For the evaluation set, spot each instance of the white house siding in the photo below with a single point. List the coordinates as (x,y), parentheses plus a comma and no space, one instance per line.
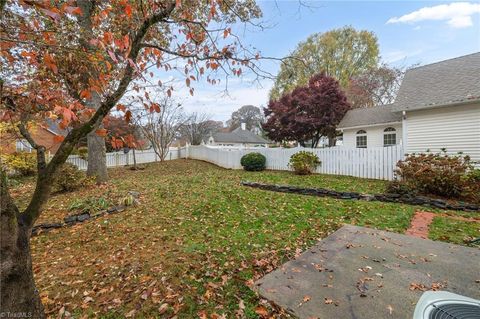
(374,135)
(456,128)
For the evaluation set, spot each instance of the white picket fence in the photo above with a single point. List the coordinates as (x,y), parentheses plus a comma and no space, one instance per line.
(375,163)
(121,159)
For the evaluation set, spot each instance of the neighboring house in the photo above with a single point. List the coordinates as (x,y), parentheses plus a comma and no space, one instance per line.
(43,134)
(240,137)
(437,107)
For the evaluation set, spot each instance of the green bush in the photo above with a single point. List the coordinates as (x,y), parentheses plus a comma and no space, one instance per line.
(253,162)
(81,151)
(397,187)
(21,163)
(472,187)
(69,178)
(434,174)
(90,204)
(304,163)
(474,176)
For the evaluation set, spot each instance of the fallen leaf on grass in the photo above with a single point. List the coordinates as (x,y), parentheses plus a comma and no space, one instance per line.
(87,299)
(163,308)
(261,311)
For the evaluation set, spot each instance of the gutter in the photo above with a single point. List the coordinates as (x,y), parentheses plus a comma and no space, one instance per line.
(432,106)
(367,125)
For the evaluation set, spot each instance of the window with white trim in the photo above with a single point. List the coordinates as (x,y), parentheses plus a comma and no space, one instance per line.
(23,146)
(389,136)
(361,139)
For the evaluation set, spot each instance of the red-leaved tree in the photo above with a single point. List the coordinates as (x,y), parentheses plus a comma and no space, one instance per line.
(72,61)
(308,112)
(123,135)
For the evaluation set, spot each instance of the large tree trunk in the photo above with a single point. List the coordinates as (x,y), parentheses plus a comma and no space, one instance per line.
(97,162)
(134,160)
(97,165)
(332,140)
(19,296)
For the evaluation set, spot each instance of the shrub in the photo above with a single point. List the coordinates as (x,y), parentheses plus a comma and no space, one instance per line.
(304,163)
(69,178)
(434,173)
(90,204)
(21,163)
(474,176)
(398,187)
(81,151)
(253,162)
(472,187)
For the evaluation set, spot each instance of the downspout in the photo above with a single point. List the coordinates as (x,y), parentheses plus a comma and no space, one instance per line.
(404,141)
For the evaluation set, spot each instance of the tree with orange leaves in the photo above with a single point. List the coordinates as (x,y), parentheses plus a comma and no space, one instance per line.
(73,61)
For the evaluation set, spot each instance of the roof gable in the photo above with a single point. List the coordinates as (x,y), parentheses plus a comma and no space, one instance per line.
(446,82)
(382,114)
(239,136)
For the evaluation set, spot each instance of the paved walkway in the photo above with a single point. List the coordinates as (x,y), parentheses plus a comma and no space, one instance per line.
(361,273)
(419,224)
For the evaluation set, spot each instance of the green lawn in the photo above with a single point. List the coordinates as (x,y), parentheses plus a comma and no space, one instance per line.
(455,231)
(335,182)
(196,241)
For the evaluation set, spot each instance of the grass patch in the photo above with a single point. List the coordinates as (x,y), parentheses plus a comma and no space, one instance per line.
(333,182)
(196,241)
(455,231)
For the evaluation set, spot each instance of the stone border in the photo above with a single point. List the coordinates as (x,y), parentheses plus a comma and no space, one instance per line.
(71,220)
(395,198)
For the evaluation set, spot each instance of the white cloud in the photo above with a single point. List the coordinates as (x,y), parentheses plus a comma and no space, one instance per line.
(457,14)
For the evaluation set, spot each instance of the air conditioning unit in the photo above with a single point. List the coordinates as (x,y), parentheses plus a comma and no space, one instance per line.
(446,305)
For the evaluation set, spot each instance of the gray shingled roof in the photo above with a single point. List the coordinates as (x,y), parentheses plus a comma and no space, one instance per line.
(370,116)
(239,136)
(53,127)
(446,82)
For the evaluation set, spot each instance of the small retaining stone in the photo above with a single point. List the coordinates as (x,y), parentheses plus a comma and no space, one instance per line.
(83,217)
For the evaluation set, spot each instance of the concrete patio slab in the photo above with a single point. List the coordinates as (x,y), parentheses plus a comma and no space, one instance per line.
(362,273)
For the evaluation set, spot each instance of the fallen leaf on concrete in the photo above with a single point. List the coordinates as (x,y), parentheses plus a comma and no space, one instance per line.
(417,286)
(390,309)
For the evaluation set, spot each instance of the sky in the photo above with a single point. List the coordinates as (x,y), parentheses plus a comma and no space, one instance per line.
(408,32)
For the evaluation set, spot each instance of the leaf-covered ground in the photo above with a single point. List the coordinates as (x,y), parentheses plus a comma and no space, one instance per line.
(196,241)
